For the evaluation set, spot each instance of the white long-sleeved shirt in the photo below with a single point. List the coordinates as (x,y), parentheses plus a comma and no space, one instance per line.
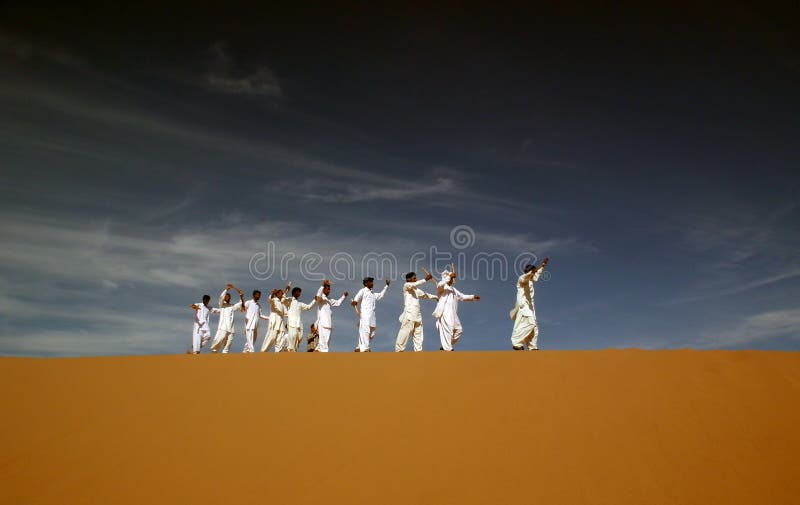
(367,298)
(324,313)
(525,284)
(252,314)
(411,297)
(294,311)
(448,301)
(201,316)
(226,311)
(277,312)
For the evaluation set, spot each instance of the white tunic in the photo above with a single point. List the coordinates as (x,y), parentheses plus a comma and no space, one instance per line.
(411,298)
(368,299)
(252,315)
(226,310)
(201,317)
(447,308)
(324,314)
(525,306)
(277,312)
(295,310)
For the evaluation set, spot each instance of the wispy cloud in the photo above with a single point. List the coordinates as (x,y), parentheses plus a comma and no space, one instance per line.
(226,76)
(755,328)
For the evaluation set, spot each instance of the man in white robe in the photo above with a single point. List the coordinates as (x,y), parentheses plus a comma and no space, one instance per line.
(252,316)
(446,312)
(294,318)
(366,316)
(525,334)
(201,332)
(225,329)
(276,329)
(324,322)
(411,318)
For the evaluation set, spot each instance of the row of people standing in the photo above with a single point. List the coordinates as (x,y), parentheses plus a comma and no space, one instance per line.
(284,328)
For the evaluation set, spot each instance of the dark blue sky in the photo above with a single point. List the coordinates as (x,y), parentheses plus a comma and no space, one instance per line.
(148,153)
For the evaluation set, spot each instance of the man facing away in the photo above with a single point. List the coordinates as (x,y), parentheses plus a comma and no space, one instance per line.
(366,319)
(294,318)
(252,316)
(411,318)
(324,321)
(446,312)
(225,329)
(526,332)
(276,329)
(201,333)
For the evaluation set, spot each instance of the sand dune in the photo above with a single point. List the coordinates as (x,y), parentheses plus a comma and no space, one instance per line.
(549,427)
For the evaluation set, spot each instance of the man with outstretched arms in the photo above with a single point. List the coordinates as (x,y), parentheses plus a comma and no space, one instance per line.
(446,312)
(366,316)
(225,330)
(294,318)
(324,321)
(411,318)
(526,332)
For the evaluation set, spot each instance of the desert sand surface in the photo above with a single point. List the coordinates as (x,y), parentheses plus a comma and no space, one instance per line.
(611,427)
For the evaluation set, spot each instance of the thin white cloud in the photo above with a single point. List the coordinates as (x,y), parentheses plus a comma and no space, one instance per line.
(222,76)
(755,328)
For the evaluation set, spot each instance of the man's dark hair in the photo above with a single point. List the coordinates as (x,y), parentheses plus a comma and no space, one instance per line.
(256,291)
(529,267)
(409,275)
(206,298)
(295,291)
(367,279)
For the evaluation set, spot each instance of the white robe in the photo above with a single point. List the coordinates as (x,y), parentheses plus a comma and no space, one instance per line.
(446,314)
(411,317)
(251,318)
(294,320)
(526,331)
(225,327)
(276,329)
(366,318)
(324,322)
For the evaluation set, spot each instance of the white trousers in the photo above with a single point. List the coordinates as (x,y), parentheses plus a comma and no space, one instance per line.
(407,329)
(275,336)
(222,339)
(324,338)
(525,333)
(250,337)
(294,338)
(366,332)
(449,332)
(200,338)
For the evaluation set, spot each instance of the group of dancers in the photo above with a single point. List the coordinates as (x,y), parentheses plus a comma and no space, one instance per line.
(284,327)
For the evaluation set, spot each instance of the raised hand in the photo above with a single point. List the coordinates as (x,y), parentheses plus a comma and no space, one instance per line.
(228,286)
(388,281)
(345,294)
(477,297)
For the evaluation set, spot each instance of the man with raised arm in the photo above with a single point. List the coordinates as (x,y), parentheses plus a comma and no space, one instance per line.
(324,321)
(252,316)
(276,329)
(526,332)
(294,318)
(446,312)
(225,330)
(366,318)
(201,332)
(411,318)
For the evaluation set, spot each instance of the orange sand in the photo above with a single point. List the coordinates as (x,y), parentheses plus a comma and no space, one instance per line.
(615,427)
